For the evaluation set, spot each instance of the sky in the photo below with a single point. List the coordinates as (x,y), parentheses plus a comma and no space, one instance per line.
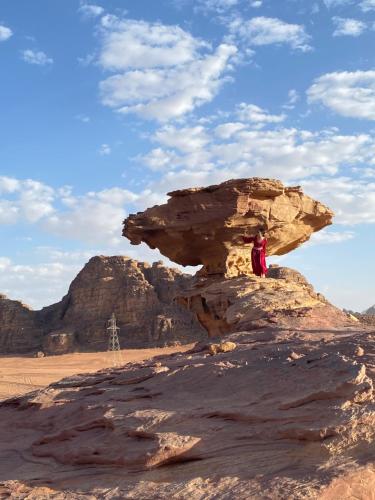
(105,107)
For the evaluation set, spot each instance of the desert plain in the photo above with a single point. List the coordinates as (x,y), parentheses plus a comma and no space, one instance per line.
(22,374)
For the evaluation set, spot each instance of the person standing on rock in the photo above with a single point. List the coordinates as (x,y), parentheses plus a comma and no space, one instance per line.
(258,253)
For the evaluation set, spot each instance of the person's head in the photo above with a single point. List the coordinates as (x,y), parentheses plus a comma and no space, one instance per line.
(259,235)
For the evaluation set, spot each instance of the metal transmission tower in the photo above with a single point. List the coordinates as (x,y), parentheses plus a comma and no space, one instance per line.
(113,342)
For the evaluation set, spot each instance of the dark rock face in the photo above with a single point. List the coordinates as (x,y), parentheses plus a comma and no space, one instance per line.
(19,327)
(140,295)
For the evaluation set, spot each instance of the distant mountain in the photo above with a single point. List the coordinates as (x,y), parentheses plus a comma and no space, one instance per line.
(370,310)
(141,296)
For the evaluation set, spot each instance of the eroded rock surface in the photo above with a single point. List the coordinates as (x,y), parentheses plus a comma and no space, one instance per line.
(284,298)
(205,225)
(141,296)
(20,329)
(287,414)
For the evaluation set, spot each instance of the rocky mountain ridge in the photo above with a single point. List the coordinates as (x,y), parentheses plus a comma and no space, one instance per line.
(140,295)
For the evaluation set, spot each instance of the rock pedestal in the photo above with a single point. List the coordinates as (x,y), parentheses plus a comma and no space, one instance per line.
(204,226)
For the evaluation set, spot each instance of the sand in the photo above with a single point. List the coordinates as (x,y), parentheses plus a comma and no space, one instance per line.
(19,375)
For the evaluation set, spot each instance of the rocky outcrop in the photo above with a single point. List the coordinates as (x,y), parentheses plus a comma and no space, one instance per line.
(286,414)
(60,342)
(140,295)
(20,329)
(284,298)
(205,225)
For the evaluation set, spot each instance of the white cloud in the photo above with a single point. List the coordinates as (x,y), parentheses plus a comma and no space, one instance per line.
(252,113)
(36,57)
(350,94)
(9,212)
(5,33)
(158,159)
(186,139)
(28,200)
(235,149)
(268,30)
(353,201)
(336,3)
(348,27)
(37,285)
(105,150)
(293,98)
(131,44)
(95,217)
(83,118)
(218,6)
(91,10)
(367,5)
(8,184)
(327,237)
(227,130)
(256,3)
(163,93)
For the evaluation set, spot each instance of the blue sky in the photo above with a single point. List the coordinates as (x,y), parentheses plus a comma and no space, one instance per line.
(105,107)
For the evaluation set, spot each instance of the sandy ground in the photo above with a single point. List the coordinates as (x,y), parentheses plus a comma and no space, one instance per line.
(19,375)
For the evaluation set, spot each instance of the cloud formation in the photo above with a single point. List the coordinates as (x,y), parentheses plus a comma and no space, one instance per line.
(348,27)
(262,30)
(5,33)
(161,72)
(350,94)
(90,10)
(37,57)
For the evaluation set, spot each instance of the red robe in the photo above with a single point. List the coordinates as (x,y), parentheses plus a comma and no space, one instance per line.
(258,254)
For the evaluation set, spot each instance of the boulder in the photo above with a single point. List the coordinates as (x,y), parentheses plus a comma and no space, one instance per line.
(204,226)
(60,342)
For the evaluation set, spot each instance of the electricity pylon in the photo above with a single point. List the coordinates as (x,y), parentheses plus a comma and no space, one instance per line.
(113,342)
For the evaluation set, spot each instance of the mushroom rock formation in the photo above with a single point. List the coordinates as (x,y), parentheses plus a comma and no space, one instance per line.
(205,225)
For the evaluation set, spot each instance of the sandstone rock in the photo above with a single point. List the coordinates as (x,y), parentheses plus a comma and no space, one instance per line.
(20,328)
(293,356)
(40,354)
(353,318)
(141,296)
(222,347)
(59,342)
(205,225)
(247,424)
(234,304)
(359,351)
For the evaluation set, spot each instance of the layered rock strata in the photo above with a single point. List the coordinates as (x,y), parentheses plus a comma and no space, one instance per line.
(286,414)
(204,226)
(285,297)
(140,295)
